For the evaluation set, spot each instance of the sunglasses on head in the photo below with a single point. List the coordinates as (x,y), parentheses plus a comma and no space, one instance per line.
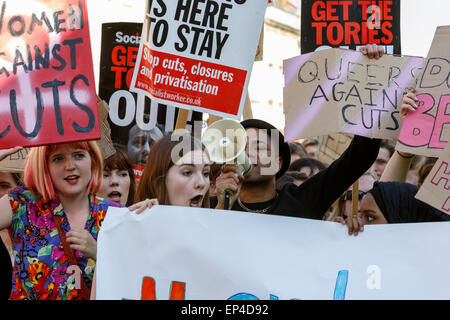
(348,195)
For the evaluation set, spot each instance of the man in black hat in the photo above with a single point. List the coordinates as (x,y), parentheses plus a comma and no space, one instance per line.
(270,156)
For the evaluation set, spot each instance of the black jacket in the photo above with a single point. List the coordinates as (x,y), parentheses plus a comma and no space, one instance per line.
(314,196)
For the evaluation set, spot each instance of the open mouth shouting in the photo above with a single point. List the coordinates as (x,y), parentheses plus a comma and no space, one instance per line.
(196,201)
(115,196)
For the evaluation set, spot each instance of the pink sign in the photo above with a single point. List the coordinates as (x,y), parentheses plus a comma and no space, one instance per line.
(427,130)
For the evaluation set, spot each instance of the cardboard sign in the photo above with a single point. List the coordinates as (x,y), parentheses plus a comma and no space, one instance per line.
(15,162)
(198,56)
(190,253)
(333,146)
(135,120)
(436,188)
(105,144)
(337,90)
(350,24)
(46,76)
(424,131)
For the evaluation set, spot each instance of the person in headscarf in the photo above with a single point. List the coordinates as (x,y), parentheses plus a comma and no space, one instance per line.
(394,202)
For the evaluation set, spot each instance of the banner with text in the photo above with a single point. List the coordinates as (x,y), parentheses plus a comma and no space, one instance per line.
(436,188)
(190,253)
(427,130)
(337,90)
(349,24)
(46,74)
(135,120)
(198,55)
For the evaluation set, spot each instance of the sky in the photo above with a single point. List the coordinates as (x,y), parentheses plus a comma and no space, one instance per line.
(419,19)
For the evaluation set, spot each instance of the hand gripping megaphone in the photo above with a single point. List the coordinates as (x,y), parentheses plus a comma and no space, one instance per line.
(225,141)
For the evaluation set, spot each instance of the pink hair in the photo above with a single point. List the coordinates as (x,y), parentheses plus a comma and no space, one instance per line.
(37,176)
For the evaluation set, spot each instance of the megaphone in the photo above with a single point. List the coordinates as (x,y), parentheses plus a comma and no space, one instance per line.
(225,141)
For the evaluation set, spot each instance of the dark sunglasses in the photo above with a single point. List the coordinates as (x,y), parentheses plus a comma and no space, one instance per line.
(348,195)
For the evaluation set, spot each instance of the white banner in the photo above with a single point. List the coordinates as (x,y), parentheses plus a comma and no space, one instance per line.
(189,253)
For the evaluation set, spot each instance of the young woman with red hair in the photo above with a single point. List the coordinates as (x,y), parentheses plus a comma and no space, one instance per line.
(54,221)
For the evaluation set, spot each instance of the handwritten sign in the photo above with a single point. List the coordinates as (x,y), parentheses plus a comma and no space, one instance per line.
(424,130)
(46,74)
(198,56)
(333,146)
(350,24)
(337,90)
(15,162)
(436,188)
(190,253)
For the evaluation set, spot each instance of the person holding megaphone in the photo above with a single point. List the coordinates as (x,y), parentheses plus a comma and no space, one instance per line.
(270,157)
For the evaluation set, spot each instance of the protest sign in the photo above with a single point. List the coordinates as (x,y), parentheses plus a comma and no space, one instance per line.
(15,162)
(198,56)
(134,119)
(337,90)
(333,146)
(46,75)
(436,188)
(105,144)
(192,253)
(260,49)
(349,24)
(426,131)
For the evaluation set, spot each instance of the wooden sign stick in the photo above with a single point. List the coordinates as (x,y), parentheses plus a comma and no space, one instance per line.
(355,198)
(182,119)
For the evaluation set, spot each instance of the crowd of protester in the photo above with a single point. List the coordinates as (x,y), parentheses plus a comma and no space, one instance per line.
(51,215)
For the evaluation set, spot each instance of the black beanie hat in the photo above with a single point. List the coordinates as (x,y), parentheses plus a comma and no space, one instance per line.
(284,151)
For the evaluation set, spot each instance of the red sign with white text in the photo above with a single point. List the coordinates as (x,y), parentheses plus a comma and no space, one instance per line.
(188,81)
(46,74)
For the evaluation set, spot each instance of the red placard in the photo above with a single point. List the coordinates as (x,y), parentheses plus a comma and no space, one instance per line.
(47,81)
(192,82)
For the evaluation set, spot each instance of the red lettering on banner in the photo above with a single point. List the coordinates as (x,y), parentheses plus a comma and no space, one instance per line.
(117,57)
(388,35)
(331,22)
(123,60)
(383,5)
(148,290)
(331,10)
(352,30)
(335,28)
(319,33)
(317,11)
(118,76)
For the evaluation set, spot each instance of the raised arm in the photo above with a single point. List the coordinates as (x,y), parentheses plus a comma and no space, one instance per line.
(398,165)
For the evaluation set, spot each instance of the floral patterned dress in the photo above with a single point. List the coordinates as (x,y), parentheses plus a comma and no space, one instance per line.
(40,263)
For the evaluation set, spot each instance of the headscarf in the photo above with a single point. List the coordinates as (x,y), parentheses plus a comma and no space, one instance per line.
(398,205)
